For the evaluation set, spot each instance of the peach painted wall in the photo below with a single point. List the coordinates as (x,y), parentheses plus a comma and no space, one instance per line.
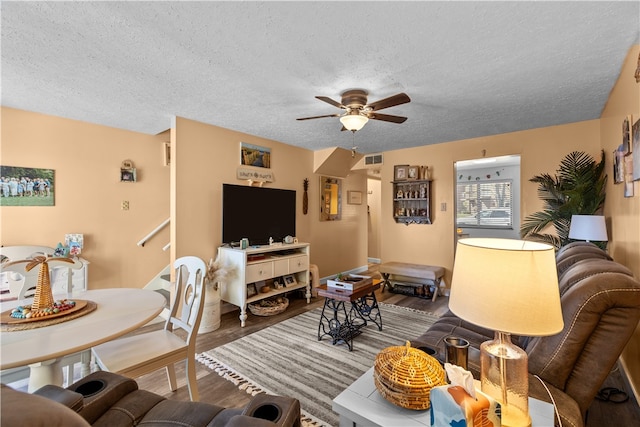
(624,213)
(541,150)
(88,194)
(207,156)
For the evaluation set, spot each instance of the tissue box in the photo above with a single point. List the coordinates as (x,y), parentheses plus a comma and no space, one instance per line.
(453,406)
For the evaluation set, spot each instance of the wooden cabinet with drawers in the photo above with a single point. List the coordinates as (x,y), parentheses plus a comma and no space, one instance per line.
(263,263)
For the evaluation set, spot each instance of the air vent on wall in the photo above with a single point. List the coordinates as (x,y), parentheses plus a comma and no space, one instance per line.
(374,159)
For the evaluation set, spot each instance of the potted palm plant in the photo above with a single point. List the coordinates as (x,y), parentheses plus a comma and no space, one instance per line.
(577,188)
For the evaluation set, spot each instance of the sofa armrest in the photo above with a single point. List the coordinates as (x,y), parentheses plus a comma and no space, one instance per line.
(247,421)
(101,390)
(279,410)
(68,398)
(564,405)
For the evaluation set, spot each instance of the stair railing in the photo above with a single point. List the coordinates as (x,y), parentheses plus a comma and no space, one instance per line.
(153,233)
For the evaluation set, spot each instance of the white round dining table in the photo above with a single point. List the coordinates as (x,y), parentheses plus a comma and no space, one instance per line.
(119,311)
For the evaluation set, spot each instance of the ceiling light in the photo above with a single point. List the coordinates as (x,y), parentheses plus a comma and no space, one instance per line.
(354,121)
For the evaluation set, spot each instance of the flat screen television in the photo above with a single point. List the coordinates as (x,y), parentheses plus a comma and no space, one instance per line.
(257,213)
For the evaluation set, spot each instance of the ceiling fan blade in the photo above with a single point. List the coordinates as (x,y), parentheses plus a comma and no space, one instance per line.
(330,101)
(392,101)
(319,117)
(387,118)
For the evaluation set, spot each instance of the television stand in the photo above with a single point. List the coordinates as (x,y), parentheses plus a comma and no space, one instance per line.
(261,263)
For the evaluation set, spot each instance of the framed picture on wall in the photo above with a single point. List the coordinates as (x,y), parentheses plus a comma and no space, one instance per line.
(413,172)
(21,186)
(635,150)
(618,165)
(400,172)
(626,135)
(254,155)
(354,197)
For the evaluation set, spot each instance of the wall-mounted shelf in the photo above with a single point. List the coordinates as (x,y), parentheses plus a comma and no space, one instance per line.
(412,201)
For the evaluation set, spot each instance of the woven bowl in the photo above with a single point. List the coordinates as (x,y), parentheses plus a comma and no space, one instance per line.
(405,376)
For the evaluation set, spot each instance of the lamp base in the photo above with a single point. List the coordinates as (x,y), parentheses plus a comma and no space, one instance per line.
(504,376)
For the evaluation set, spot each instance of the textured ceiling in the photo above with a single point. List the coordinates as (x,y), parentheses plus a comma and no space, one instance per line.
(471,68)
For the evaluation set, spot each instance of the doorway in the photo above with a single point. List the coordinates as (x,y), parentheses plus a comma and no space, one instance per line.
(487,197)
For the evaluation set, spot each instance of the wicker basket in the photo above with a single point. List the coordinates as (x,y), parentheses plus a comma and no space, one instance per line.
(405,376)
(268,307)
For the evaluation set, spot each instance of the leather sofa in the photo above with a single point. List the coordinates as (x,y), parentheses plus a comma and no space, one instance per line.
(601,307)
(111,400)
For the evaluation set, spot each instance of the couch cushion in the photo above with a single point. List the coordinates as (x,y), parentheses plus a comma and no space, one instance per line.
(129,410)
(172,412)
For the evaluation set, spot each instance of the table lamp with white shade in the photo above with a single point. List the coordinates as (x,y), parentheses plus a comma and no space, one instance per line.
(588,227)
(510,286)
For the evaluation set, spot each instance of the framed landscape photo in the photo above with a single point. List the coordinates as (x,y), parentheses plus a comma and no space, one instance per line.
(254,155)
(22,186)
(400,172)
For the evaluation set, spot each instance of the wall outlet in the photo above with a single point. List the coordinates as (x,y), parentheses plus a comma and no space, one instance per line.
(443,206)
(125,205)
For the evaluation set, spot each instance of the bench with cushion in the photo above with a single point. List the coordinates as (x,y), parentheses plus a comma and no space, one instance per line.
(415,274)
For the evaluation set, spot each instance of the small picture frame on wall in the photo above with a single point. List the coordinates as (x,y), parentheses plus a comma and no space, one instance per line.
(289,280)
(635,150)
(400,172)
(354,197)
(251,290)
(413,173)
(626,135)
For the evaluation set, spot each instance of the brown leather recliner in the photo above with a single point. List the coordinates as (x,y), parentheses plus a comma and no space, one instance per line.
(111,400)
(601,308)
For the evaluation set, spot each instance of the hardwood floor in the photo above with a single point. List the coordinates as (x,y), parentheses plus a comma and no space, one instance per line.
(217,390)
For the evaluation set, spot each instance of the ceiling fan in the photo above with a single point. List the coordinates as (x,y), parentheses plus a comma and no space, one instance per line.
(357,112)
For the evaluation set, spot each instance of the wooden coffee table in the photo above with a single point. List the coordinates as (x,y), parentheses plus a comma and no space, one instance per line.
(341,325)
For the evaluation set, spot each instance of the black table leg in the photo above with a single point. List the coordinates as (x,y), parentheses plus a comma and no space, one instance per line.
(339,331)
(367,307)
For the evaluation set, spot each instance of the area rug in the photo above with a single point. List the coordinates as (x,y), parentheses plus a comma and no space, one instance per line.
(287,358)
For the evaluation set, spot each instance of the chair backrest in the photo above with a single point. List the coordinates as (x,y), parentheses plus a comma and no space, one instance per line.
(24,286)
(15,253)
(188,304)
(601,309)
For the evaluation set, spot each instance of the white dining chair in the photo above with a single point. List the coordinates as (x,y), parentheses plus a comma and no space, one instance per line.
(22,285)
(147,352)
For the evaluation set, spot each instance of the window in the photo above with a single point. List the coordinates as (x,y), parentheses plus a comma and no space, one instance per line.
(484,204)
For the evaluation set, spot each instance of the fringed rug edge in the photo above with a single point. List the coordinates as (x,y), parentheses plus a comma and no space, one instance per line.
(250,386)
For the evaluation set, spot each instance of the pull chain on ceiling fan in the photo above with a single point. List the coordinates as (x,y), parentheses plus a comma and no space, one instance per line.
(357,112)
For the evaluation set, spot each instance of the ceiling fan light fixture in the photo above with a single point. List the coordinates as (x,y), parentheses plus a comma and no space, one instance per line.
(354,121)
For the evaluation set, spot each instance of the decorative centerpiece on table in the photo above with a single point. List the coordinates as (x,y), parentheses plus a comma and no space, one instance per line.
(43,306)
